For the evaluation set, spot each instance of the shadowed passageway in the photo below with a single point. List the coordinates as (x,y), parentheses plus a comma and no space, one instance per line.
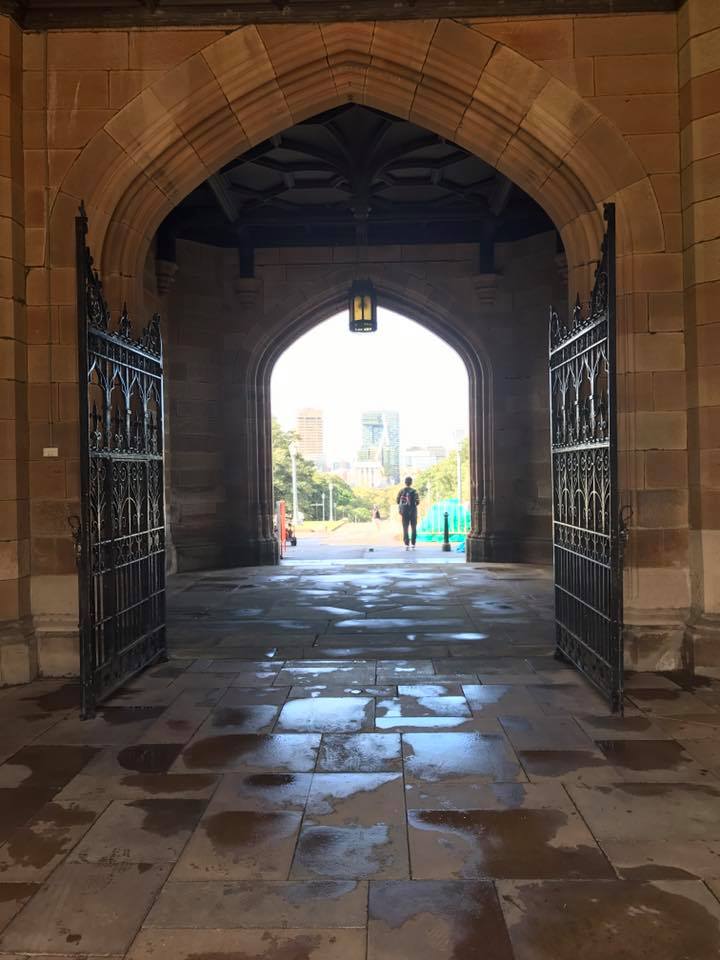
(373,760)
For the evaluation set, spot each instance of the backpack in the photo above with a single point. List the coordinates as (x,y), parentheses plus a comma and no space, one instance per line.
(408,500)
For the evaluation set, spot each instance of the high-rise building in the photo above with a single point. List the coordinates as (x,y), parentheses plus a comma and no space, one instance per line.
(420,458)
(311,435)
(381,441)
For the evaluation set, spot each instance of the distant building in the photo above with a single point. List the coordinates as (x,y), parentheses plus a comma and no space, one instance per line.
(342,469)
(381,441)
(368,473)
(420,458)
(311,434)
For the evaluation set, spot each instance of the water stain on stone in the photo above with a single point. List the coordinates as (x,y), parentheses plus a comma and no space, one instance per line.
(167,818)
(169,783)
(663,789)
(149,757)
(645,754)
(227,716)
(354,851)
(229,829)
(270,780)
(650,693)
(66,697)
(513,844)
(18,805)
(15,892)
(654,871)
(52,765)
(218,751)
(555,763)
(119,716)
(301,947)
(47,837)
(687,680)
(560,921)
(468,913)
(631,724)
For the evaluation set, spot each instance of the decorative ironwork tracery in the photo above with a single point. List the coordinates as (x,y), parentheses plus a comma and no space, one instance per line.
(588,533)
(121,535)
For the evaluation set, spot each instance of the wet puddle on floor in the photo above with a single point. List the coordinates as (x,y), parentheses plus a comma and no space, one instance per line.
(520,843)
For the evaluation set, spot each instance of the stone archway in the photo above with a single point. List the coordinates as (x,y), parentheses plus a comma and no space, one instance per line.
(254,463)
(445,76)
(448,77)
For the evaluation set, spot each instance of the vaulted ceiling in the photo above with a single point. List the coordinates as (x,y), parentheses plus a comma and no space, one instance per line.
(355,175)
(41,14)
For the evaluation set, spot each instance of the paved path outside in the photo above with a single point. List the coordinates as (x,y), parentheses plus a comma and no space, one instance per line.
(362,762)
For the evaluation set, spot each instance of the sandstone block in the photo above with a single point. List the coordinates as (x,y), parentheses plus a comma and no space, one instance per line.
(162,49)
(642,113)
(577,73)
(536,39)
(666,311)
(661,430)
(658,152)
(608,36)
(696,17)
(700,139)
(708,344)
(666,469)
(670,390)
(47,479)
(708,386)
(658,272)
(87,50)
(700,97)
(649,73)
(700,55)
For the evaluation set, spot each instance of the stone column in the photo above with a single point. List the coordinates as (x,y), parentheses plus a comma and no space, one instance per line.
(247,435)
(18,655)
(698,42)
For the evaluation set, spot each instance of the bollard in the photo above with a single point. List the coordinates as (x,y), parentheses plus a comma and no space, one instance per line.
(446,534)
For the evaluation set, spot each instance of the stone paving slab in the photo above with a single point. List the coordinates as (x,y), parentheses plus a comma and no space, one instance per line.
(86,908)
(270,944)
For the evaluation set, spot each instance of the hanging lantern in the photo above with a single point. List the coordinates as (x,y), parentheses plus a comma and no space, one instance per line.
(362,307)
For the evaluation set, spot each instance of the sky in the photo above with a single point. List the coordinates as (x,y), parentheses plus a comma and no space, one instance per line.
(401,367)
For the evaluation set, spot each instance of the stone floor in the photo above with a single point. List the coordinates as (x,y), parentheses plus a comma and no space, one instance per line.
(362,762)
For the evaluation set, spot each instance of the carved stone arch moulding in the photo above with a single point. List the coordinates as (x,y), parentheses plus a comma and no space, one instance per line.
(445,76)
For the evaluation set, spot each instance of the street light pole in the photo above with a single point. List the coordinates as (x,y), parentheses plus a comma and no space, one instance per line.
(330,487)
(323,505)
(293,466)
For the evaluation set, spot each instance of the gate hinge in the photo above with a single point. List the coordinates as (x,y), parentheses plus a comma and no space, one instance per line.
(75,525)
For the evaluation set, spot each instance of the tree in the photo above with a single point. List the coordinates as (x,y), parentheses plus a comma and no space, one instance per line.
(309,485)
(441,478)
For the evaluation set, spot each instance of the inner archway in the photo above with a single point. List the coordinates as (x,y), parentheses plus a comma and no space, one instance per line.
(445,238)
(353,415)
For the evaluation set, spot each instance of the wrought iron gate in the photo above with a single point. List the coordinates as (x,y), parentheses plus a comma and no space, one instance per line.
(588,529)
(120,536)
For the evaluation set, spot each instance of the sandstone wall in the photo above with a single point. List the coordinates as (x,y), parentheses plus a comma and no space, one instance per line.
(504,314)
(699,42)
(17,655)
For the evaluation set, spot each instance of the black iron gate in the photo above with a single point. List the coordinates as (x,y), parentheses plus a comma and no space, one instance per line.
(588,530)
(120,535)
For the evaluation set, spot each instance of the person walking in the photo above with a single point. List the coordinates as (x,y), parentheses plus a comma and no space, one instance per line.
(408,500)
